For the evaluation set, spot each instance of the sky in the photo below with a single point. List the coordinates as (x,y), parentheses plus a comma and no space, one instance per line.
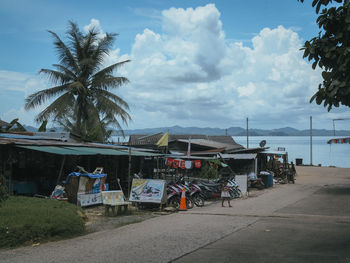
(193,63)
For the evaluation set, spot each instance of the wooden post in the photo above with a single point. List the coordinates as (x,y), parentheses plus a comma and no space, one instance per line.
(61,169)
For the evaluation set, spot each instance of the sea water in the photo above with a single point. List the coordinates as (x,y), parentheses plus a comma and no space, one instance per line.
(299,147)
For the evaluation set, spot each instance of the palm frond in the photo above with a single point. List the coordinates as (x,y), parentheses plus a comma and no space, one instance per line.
(58,108)
(56,77)
(65,70)
(64,54)
(107,82)
(116,99)
(109,70)
(108,107)
(41,96)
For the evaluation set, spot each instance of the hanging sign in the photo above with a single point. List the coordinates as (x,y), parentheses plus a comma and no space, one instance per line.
(176,163)
(188,164)
(197,163)
(169,162)
(182,165)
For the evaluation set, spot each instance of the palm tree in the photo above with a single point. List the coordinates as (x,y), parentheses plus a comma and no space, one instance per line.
(84,103)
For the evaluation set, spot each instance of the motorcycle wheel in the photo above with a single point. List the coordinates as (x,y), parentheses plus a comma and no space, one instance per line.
(189,203)
(173,202)
(238,193)
(198,201)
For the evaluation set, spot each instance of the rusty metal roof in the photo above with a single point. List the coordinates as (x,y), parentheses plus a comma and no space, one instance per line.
(4,124)
(140,139)
(68,148)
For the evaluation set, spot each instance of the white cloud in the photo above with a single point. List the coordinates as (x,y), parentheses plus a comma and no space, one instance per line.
(191,74)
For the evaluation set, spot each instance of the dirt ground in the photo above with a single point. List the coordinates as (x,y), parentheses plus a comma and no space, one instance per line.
(96,220)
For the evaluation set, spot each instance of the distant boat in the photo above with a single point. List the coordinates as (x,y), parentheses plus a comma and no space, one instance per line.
(340,141)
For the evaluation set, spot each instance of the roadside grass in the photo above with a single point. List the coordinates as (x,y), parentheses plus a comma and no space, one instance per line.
(28,220)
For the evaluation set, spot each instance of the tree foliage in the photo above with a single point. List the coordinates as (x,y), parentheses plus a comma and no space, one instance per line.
(83,102)
(3,189)
(330,51)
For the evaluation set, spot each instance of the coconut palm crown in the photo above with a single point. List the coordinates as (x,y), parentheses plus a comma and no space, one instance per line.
(83,102)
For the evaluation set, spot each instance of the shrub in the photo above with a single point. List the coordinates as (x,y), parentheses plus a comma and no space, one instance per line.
(31,220)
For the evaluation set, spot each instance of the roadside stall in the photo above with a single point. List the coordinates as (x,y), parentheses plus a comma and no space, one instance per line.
(84,189)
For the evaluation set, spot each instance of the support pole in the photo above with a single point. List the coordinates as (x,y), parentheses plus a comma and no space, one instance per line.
(129,172)
(61,170)
(310,140)
(247,135)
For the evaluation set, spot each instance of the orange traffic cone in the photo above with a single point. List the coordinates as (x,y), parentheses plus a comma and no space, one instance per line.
(183,200)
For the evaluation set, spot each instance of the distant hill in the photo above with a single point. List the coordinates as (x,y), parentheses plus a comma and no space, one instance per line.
(236,131)
(232,131)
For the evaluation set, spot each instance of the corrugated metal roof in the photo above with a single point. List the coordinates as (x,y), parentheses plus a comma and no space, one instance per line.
(54,150)
(69,148)
(4,124)
(142,139)
(241,156)
(95,151)
(275,152)
(212,144)
(78,150)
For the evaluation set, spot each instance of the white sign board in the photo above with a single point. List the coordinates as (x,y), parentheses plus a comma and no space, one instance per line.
(89,199)
(148,191)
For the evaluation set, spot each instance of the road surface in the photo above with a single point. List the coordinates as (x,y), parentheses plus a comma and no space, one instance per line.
(308,221)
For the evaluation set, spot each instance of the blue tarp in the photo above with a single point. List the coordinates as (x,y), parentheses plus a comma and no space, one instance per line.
(94,176)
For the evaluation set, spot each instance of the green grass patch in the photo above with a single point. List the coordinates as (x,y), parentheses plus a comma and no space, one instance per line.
(27,220)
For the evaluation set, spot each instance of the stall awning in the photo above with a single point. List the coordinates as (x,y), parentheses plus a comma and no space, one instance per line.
(78,150)
(54,150)
(339,140)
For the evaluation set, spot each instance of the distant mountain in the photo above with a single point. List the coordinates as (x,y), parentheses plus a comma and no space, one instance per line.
(236,131)
(30,128)
(232,131)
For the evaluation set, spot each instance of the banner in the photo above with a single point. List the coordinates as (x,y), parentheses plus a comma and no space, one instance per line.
(113,197)
(148,191)
(89,199)
(183,164)
(197,164)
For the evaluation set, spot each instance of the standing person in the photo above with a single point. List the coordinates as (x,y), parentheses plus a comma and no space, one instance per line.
(225,195)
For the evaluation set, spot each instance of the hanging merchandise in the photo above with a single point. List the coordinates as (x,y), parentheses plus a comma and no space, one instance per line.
(182,165)
(197,163)
(188,164)
(169,162)
(176,163)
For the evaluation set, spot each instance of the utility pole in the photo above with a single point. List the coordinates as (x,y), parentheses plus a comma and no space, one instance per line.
(341,119)
(310,140)
(129,172)
(247,135)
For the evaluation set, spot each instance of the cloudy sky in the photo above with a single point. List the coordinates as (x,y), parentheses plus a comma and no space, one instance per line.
(193,63)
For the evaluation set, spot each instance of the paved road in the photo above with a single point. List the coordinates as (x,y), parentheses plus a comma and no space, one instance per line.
(305,222)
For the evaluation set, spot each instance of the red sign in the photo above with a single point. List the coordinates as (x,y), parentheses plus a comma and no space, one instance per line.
(176,163)
(169,162)
(182,165)
(197,163)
